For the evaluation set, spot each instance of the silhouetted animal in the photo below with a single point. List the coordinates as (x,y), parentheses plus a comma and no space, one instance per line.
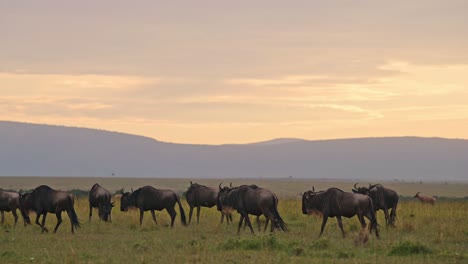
(199,196)
(382,198)
(148,198)
(250,199)
(425,199)
(336,203)
(9,202)
(100,198)
(43,200)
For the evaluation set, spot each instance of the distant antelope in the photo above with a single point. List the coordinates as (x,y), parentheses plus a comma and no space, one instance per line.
(425,199)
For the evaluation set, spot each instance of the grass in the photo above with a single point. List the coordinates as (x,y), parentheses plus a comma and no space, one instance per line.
(424,234)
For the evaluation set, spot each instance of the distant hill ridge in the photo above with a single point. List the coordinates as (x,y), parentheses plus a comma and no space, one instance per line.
(44,150)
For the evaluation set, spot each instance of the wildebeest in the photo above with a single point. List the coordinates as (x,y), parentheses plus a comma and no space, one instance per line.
(148,198)
(9,202)
(382,198)
(199,196)
(336,203)
(101,198)
(425,199)
(43,200)
(250,199)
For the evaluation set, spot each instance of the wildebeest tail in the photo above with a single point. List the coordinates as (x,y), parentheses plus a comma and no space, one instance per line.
(181,209)
(278,220)
(72,214)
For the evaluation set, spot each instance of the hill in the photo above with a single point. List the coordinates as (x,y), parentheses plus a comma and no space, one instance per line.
(43,150)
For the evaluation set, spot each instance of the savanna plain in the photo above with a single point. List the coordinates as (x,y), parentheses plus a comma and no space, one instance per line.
(423,233)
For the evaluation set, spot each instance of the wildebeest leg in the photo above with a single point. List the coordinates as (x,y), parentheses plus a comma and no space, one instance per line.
(258,223)
(222,218)
(172,213)
(373,222)
(100,212)
(191,212)
(198,213)
(340,224)
(266,224)
(37,219)
(247,220)
(90,212)
(59,220)
(154,217)
(387,218)
(393,215)
(44,229)
(324,222)
(362,221)
(141,216)
(229,217)
(3,216)
(15,215)
(240,223)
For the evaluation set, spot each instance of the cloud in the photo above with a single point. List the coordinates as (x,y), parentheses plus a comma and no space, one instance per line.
(70,84)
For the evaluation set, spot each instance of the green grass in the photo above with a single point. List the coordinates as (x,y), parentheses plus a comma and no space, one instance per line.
(424,234)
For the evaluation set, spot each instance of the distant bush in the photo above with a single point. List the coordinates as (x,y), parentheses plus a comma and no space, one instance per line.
(79,193)
(407,248)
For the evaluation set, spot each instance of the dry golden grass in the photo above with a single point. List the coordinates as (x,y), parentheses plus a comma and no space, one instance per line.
(424,234)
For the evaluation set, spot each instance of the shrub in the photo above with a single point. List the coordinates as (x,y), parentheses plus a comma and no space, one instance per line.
(407,248)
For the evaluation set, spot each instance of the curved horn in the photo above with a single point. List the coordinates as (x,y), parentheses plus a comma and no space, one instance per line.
(372,186)
(355,185)
(131,189)
(122,191)
(220,185)
(191,183)
(230,185)
(313,189)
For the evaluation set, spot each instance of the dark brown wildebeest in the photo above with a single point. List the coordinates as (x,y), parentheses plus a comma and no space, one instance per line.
(199,196)
(250,199)
(101,198)
(148,198)
(425,199)
(336,203)
(382,198)
(9,202)
(43,200)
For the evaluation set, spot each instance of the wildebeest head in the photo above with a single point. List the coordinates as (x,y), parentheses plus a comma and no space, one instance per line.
(127,200)
(106,211)
(25,205)
(221,200)
(363,190)
(309,205)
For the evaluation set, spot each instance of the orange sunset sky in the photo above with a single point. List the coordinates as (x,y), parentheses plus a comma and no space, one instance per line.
(217,72)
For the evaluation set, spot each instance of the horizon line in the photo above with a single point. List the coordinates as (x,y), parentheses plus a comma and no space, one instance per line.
(264,142)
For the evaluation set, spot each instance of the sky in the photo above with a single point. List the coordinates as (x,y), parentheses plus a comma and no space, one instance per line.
(215,72)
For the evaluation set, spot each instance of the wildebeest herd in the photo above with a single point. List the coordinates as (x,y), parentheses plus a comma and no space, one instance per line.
(362,202)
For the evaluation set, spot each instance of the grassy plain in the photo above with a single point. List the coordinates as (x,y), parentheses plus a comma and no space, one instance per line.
(424,233)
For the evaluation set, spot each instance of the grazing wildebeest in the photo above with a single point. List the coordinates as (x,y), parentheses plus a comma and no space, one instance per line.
(250,199)
(202,196)
(148,198)
(101,198)
(9,202)
(425,199)
(43,200)
(337,203)
(382,198)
